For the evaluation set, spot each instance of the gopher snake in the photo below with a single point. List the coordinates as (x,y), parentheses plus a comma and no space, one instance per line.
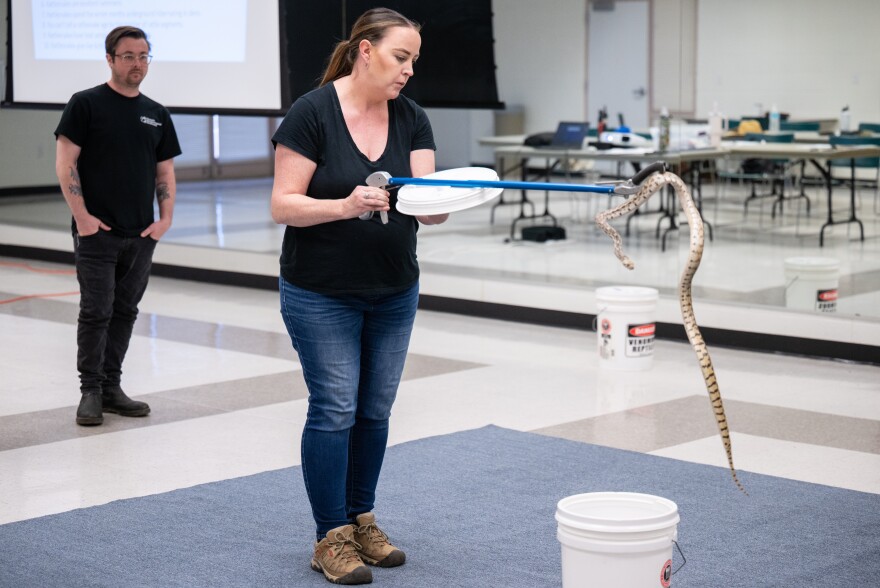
(653,184)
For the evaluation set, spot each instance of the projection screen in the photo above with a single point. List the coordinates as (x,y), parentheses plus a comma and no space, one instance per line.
(208,56)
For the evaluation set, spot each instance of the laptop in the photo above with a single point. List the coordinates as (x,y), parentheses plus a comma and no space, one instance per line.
(569,135)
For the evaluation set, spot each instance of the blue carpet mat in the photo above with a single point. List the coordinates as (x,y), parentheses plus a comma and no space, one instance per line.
(471,509)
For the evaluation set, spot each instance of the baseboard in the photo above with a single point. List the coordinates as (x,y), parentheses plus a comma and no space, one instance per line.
(30,190)
(782,344)
(224,278)
(36,253)
(209,276)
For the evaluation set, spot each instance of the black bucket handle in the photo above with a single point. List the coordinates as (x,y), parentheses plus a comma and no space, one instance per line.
(683,559)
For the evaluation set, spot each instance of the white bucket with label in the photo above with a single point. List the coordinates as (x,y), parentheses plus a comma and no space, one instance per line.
(811,283)
(616,539)
(625,327)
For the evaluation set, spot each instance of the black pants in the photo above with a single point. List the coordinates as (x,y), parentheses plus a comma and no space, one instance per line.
(112,273)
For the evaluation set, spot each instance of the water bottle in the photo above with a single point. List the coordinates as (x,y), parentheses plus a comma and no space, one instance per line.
(844,120)
(716,129)
(664,129)
(774,120)
(600,127)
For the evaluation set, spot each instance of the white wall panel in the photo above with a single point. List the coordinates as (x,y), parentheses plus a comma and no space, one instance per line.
(809,57)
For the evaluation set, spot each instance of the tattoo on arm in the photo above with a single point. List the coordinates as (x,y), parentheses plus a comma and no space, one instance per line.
(75,186)
(162,192)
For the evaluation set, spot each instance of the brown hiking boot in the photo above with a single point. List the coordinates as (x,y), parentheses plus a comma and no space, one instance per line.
(373,545)
(337,557)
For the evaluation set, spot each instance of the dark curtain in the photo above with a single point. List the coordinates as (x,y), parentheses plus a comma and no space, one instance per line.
(456,67)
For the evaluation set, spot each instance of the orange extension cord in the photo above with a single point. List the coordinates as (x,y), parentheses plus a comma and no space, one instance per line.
(30,268)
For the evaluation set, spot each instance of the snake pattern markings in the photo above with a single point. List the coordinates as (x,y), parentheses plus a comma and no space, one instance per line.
(653,184)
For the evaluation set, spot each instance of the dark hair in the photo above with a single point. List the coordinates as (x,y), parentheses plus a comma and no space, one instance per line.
(119,33)
(371,26)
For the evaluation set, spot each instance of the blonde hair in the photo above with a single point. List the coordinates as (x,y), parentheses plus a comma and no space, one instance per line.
(372,26)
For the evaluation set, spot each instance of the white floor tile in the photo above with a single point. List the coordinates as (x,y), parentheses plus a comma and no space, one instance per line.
(40,369)
(796,461)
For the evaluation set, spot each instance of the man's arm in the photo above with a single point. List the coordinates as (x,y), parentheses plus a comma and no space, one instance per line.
(166,190)
(66,155)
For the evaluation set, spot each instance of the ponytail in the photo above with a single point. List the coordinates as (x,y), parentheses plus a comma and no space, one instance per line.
(341,61)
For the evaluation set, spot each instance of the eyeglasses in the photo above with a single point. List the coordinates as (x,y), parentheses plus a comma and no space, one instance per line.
(130,58)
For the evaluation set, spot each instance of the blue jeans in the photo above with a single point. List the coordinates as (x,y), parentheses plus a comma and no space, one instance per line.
(352,350)
(113,273)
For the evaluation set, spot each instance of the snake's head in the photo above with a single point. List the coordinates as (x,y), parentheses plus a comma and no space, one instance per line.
(627,263)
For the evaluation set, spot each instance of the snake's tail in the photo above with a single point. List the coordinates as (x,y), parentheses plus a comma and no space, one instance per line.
(718,408)
(711,380)
(695,223)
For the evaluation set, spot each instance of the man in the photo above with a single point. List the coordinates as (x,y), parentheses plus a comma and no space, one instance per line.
(114,150)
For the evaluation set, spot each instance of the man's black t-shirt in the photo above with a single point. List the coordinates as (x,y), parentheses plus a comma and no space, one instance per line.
(351,256)
(122,139)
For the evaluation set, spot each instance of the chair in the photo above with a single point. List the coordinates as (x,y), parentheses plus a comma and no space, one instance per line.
(795,126)
(803,126)
(770,137)
(859,163)
(776,172)
(764,120)
(865,128)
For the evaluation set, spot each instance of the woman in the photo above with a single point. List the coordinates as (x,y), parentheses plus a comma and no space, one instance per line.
(349,287)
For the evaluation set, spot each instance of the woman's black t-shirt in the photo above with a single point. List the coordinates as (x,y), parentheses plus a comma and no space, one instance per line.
(351,256)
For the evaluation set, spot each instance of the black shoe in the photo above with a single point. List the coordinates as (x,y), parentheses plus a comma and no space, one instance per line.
(117,402)
(89,411)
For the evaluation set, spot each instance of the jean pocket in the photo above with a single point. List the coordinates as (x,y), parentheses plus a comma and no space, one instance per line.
(83,239)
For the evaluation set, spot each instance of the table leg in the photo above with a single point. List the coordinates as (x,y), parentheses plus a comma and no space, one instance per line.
(672,213)
(637,167)
(522,212)
(826,174)
(523,197)
(698,195)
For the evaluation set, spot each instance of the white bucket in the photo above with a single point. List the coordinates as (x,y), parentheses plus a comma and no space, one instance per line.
(616,539)
(811,283)
(625,327)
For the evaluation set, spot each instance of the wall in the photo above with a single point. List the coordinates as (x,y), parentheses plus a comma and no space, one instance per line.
(453,129)
(540,51)
(810,57)
(673,56)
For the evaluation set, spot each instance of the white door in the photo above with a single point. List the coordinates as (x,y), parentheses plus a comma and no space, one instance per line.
(617,62)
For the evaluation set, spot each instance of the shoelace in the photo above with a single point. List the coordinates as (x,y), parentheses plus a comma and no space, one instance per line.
(338,544)
(375,534)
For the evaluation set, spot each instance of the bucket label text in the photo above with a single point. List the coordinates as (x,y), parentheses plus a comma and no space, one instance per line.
(640,340)
(826,300)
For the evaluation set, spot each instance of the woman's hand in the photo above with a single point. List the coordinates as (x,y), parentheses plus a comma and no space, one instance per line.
(434,219)
(365,199)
